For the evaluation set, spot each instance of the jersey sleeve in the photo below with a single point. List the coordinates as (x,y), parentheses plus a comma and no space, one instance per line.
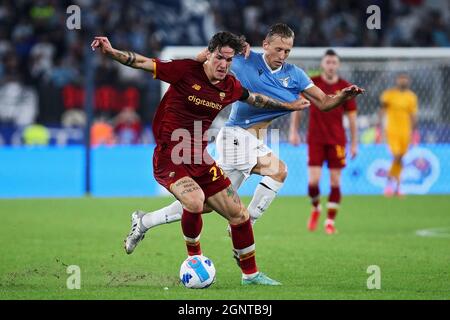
(304,82)
(170,71)
(238,90)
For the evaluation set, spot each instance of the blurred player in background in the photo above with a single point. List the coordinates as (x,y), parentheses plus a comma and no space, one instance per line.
(399,106)
(197,93)
(239,144)
(327,141)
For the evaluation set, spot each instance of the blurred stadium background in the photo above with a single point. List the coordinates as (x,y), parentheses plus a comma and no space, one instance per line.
(56,94)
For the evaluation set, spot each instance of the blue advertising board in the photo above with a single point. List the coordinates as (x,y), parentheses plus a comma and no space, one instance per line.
(127,171)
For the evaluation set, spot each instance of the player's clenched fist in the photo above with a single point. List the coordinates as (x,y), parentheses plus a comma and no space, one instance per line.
(102,43)
(300,104)
(352,91)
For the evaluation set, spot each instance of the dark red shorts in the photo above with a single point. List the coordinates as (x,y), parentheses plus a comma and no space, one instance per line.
(333,154)
(209,177)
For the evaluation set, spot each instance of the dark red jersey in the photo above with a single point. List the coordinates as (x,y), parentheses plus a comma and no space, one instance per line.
(191,102)
(327,127)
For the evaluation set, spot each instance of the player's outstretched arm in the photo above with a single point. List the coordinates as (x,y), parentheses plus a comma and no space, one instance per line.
(127,58)
(325,102)
(264,102)
(352,120)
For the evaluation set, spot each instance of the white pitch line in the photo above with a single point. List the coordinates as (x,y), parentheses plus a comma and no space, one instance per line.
(434,232)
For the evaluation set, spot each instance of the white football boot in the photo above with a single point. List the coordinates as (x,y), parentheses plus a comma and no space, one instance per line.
(137,232)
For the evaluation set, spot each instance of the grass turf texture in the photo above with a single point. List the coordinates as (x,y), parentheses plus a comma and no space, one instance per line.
(41,237)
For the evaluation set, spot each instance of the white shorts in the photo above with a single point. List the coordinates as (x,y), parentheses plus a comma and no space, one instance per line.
(238,151)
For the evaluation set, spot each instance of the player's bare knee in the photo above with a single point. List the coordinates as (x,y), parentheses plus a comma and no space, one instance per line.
(280,173)
(195,203)
(313,181)
(335,179)
(335,184)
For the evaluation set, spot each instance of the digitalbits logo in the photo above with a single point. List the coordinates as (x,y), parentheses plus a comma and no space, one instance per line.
(421,169)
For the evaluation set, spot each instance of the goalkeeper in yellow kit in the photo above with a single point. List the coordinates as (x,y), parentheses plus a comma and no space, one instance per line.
(399,106)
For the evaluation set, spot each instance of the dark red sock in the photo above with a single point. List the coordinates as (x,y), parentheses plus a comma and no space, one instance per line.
(314,194)
(244,244)
(333,202)
(191,224)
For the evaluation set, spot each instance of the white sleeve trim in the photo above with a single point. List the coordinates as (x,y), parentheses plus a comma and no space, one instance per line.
(309,86)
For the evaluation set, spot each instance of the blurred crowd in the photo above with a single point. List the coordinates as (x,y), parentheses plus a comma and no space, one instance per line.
(341,23)
(42,62)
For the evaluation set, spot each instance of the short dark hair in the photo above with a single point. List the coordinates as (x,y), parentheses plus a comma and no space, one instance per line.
(225,38)
(331,52)
(280,29)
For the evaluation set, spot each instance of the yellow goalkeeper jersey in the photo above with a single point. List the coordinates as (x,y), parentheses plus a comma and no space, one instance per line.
(400,105)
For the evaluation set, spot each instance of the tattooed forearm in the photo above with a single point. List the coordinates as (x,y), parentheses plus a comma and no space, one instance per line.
(127,58)
(264,102)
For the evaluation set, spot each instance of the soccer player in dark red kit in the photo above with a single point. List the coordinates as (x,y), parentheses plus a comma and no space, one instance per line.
(197,93)
(326,140)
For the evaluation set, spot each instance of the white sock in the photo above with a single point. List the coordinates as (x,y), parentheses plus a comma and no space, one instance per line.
(265,192)
(168,214)
(249,276)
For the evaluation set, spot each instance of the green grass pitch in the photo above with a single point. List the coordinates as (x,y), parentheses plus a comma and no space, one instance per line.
(41,237)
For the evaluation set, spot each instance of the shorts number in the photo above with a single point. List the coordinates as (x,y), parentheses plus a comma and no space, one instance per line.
(340,151)
(213,170)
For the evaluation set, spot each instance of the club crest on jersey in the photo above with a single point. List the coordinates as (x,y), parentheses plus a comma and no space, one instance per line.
(222,96)
(196,87)
(285,81)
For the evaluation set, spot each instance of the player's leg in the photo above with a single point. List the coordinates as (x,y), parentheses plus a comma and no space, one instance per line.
(405,141)
(241,154)
(316,157)
(166,215)
(228,204)
(395,173)
(314,174)
(335,156)
(192,198)
(183,188)
(142,221)
(173,211)
(393,176)
(274,172)
(334,200)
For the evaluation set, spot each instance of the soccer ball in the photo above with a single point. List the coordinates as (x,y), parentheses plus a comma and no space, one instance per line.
(197,272)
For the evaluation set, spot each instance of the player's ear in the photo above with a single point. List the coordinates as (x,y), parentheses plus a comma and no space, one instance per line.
(265,44)
(208,55)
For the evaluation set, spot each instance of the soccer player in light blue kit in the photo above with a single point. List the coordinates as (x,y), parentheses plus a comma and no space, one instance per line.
(241,149)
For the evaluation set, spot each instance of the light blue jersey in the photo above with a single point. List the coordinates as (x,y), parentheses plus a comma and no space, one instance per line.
(284,84)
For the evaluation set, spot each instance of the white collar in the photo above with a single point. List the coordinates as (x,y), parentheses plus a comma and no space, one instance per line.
(268,67)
